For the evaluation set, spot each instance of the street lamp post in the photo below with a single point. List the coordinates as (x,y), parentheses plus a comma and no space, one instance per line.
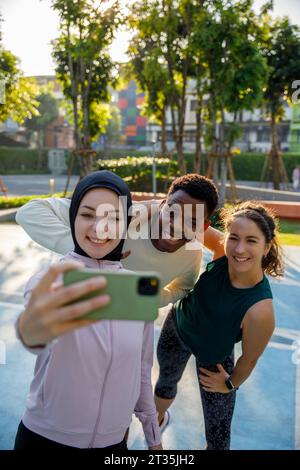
(51,184)
(153,169)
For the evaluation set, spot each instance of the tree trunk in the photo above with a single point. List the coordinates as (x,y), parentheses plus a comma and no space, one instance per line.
(40,149)
(198,154)
(85,90)
(215,148)
(179,144)
(74,95)
(178,101)
(222,192)
(164,149)
(275,155)
(88,159)
(77,135)
(180,158)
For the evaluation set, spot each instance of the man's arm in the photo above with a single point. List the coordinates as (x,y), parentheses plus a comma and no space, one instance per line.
(183,283)
(213,241)
(46,221)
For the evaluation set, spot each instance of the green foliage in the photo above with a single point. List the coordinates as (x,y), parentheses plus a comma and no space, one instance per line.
(161,60)
(99,115)
(280,45)
(48,112)
(212,42)
(248,166)
(224,36)
(136,167)
(20,160)
(281,49)
(19,92)
(146,64)
(12,202)
(83,63)
(137,171)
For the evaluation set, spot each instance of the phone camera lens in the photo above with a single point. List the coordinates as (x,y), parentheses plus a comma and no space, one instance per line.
(148,285)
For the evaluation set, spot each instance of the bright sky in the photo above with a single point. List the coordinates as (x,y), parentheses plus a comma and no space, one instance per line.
(30,25)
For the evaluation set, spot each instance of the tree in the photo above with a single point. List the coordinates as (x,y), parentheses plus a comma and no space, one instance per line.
(152,77)
(281,49)
(164,28)
(208,46)
(19,93)
(83,62)
(234,70)
(48,112)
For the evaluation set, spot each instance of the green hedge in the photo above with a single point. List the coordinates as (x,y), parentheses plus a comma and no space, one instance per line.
(137,171)
(248,166)
(19,160)
(119,153)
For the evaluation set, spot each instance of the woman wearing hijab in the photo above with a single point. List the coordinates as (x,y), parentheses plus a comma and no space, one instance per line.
(90,380)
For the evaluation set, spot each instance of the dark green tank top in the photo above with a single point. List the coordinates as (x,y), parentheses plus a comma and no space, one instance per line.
(209,316)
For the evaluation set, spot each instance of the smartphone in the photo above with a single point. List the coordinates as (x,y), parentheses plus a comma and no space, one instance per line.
(134,295)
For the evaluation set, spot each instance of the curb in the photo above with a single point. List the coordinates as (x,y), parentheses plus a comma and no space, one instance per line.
(8,215)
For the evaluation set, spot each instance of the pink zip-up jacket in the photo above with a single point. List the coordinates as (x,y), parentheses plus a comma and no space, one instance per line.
(89,382)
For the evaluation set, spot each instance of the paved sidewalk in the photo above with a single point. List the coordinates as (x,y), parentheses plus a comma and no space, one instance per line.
(24,184)
(267,413)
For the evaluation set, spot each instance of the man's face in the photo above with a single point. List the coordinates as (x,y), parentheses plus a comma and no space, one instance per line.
(179,218)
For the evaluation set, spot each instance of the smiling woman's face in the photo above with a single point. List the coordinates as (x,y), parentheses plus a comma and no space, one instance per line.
(245,245)
(96,230)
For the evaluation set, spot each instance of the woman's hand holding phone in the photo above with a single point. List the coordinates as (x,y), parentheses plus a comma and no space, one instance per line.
(47,316)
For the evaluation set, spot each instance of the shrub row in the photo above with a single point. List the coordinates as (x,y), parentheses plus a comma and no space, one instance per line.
(137,171)
(14,160)
(247,166)
(19,201)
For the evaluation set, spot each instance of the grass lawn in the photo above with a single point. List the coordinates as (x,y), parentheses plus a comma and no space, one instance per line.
(289,232)
(18,201)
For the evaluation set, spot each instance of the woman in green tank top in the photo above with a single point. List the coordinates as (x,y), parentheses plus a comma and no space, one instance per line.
(231,301)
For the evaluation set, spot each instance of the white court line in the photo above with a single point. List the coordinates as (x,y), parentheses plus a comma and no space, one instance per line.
(9,292)
(275,345)
(293,335)
(10,304)
(287,333)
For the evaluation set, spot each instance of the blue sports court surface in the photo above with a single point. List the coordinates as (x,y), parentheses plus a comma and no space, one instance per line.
(267,414)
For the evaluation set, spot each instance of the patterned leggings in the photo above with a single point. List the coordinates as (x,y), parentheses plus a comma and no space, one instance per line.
(218,408)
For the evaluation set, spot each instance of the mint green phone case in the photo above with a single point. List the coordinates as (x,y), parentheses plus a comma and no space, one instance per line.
(127,303)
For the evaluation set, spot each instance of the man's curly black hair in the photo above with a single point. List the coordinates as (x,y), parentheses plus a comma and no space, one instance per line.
(198,187)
